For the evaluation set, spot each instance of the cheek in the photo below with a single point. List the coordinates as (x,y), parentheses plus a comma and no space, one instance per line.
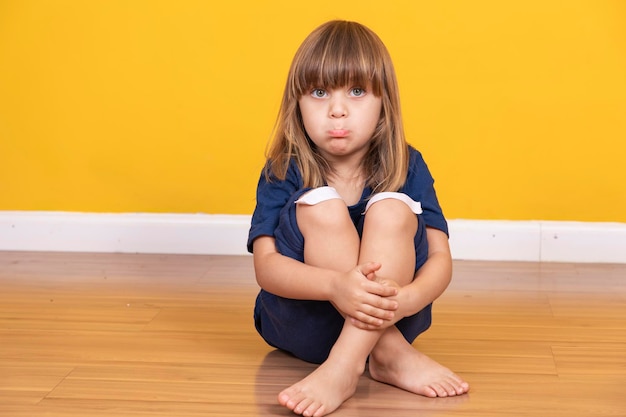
(305,112)
(376,116)
(310,118)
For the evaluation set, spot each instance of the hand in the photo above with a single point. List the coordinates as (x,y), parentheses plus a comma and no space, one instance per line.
(386,323)
(357,294)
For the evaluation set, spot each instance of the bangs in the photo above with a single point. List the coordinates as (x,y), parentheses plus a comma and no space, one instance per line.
(343,54)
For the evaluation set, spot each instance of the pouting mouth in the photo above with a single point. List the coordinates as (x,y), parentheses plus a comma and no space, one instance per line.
(338,133)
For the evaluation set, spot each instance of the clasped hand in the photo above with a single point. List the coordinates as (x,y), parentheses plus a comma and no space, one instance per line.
(368,303)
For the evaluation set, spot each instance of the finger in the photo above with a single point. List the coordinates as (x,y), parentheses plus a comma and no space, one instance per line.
(367,319)
(387,304)
(388,291)
(381,290)
(365,326)
(371,276)
(380,313)
(389,283)
(369,268)
(361,325)
(379,303)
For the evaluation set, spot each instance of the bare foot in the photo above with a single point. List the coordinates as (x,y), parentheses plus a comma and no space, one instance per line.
(415,372)
(322,391)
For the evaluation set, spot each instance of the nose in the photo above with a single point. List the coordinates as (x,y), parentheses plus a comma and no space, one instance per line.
(338,107)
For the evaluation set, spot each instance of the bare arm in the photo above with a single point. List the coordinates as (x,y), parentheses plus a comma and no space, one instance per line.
(351,292)
(432,279)
(287,277)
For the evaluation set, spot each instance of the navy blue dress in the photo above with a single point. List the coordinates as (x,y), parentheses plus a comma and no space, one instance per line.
(309,329)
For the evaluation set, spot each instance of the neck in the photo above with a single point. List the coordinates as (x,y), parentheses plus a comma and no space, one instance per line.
(349,176)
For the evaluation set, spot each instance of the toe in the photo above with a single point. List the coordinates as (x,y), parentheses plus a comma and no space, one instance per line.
(465,387)
(453,385)
(450,389)
(291,400)
(283,399)
(460,386)
(303,406)
(439,390)
(429,391)
(311,409)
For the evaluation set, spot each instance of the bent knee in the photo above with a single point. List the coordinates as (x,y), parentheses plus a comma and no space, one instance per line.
(322,207)
(393,212)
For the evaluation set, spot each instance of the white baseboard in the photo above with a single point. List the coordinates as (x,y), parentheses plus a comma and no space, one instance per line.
(539,241)
(125,233)
(546,241)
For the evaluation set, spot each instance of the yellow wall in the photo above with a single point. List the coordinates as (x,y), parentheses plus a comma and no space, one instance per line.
(166,106)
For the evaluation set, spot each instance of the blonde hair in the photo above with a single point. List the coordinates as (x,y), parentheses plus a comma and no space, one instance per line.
(339,54)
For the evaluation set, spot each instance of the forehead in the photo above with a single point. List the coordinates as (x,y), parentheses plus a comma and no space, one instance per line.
(339,59)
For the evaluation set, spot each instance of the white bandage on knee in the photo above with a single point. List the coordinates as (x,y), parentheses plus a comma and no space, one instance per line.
(415,206)
(317,195)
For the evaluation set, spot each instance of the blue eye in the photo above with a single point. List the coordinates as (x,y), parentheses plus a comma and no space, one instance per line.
(319,93)
(357,92)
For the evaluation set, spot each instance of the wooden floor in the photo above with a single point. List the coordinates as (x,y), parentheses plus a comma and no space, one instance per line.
(159,335)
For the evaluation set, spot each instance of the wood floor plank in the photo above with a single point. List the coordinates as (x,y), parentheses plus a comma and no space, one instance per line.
(606,359)
(74,317)
(29,383)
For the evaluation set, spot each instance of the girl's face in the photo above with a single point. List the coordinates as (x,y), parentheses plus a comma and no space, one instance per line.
(340,121)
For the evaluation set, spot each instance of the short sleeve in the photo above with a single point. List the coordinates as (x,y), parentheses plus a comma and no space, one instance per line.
(420,187)
(271,197)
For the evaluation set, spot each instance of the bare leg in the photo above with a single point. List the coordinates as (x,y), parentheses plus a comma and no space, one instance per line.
(331,242)
(388,235)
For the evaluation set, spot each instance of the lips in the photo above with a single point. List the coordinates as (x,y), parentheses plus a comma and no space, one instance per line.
(338,133)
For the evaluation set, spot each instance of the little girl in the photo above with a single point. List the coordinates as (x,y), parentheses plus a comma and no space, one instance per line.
(349,241)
